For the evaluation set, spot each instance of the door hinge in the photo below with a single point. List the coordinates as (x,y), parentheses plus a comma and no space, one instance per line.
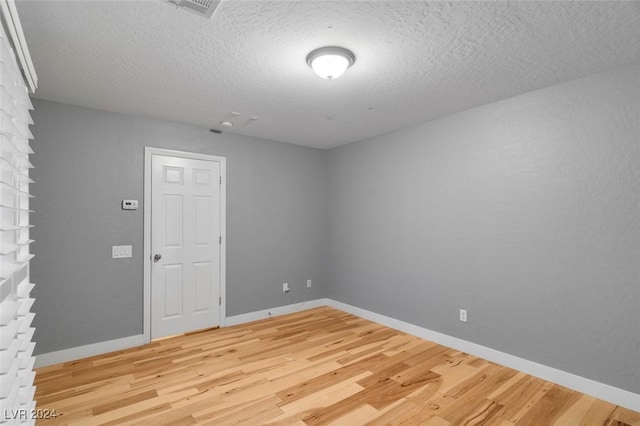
(220,300)
(220,240)
(220,180)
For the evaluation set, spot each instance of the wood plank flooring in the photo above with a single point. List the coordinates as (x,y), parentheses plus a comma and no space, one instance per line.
(321,366)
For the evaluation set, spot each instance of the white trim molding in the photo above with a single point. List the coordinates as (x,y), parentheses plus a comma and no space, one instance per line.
(11,23)
(599,390)
(149,152)
(100,348)
(277,311)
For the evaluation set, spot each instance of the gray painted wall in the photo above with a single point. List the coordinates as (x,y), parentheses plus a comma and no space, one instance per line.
(525,212)
(87,161)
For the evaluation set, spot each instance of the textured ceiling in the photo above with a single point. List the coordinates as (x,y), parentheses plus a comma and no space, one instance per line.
(416,60)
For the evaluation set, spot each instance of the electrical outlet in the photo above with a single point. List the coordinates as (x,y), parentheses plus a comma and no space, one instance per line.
(463,315)
(308,283)
(285,287)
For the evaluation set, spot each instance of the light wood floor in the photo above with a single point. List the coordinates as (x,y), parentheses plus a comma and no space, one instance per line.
(315,367)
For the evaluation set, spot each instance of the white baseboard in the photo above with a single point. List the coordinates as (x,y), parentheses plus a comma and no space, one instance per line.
(599,390)
(72,354)
(280,310)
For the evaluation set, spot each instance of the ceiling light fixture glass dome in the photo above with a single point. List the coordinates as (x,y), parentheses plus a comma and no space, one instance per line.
(330,62)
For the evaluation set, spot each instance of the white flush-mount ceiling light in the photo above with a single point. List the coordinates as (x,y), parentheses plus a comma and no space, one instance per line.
(330,62)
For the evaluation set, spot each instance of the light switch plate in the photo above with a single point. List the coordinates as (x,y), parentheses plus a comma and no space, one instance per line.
(121,252)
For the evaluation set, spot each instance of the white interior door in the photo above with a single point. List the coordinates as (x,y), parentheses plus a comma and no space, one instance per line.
(185,244)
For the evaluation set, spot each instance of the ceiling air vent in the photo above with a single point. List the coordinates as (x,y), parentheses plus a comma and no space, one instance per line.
(201,7)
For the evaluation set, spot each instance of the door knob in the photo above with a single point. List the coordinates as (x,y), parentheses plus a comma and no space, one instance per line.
(157,257)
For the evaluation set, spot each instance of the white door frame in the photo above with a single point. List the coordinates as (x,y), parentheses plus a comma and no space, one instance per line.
(148,153)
